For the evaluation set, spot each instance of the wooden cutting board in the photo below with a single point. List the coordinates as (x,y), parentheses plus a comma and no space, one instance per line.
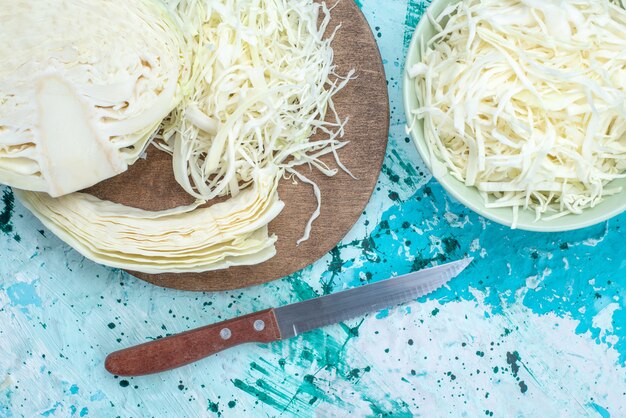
(150,185)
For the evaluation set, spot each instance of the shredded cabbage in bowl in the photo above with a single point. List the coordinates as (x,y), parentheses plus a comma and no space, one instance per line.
(525,100)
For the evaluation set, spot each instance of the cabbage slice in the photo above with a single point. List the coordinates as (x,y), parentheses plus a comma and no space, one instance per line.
(183,240)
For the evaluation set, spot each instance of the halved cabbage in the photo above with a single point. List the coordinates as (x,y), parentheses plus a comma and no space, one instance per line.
(83,86)
(182,240)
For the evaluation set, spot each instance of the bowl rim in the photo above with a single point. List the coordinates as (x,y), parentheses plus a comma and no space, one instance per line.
(452,185)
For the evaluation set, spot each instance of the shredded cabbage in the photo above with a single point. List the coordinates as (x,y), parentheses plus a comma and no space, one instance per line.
(264,80)
(83,87)
(525,100)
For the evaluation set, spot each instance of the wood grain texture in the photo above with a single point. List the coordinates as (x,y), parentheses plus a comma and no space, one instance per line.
(150,184)
(181,349)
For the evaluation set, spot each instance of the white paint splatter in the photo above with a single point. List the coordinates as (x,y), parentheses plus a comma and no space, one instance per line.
(532,282)
(604,319)
(453,380)
(593,242)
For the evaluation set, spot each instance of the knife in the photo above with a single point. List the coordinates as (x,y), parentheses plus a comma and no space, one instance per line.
(280,323)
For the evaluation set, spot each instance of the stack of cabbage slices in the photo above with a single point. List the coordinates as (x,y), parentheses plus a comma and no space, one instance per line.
(232,89)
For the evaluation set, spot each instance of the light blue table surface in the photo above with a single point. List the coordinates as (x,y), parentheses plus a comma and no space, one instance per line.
(535,327)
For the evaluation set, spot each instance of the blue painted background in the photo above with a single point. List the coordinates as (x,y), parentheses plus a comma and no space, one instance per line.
(535,327)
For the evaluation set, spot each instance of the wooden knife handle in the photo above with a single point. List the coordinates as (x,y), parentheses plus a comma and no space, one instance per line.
(181,349)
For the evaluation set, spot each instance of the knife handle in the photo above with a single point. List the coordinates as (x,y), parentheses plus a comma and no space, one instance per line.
(181,349)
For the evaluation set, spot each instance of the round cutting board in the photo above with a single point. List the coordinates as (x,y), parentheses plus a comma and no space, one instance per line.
(149,184)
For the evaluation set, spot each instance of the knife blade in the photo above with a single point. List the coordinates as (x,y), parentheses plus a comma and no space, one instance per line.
(316,313)
(280,323)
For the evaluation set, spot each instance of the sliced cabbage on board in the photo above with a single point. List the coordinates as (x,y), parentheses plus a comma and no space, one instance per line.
(526,101)
(256,80)
(84,85)
(187,239)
